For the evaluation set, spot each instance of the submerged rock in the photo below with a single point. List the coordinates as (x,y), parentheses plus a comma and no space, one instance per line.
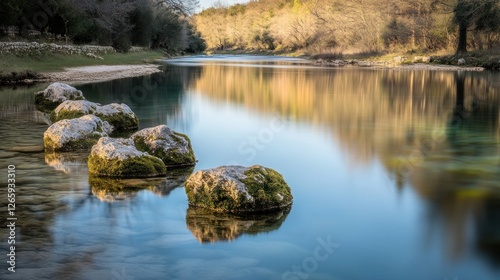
(120,116)
(54,95)
(172,147)
(207,226)
(238,189)
(118,157)
(75,134)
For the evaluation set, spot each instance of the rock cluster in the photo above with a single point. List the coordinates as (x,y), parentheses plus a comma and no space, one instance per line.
(83,125)
(120,116)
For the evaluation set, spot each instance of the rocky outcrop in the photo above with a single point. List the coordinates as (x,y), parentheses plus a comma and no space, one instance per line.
(238,189)
(54,95)
(120,116)
(118,157)
(75,134)
(172,147)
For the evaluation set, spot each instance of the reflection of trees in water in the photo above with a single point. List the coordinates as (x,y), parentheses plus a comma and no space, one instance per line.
(156,99)
(208,226)
(399,117)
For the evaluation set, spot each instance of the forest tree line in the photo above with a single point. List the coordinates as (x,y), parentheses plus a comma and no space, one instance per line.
(352,26)
(157,24)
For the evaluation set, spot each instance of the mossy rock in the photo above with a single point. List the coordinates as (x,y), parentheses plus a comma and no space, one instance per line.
(75,134)
(172,147)
(55,94)
(120,116)
(238,189)
(118,158)
(71,109)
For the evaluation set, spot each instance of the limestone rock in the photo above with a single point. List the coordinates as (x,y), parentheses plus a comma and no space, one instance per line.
(120,116)
(118,157)
(238,189)
(71,109)
(172,147)
(424,59)
(55,94)
(75,134)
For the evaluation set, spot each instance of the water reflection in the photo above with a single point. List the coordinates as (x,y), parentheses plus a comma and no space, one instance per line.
(437,132)
(210,227)
(156,99)
(112,189)
(68,162)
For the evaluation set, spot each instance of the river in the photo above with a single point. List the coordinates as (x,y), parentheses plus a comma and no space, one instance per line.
(395,175)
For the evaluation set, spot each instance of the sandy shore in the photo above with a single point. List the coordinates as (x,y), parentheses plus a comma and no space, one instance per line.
(101,73)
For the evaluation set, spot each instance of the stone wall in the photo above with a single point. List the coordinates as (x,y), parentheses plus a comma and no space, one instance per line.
(23,48)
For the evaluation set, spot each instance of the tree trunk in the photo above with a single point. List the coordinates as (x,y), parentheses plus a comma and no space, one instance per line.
(462,37)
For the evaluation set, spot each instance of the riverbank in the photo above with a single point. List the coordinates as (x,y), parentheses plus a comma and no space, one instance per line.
(438,61)
(43,67)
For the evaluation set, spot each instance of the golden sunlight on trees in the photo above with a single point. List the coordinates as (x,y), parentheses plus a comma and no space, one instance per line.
(352,26)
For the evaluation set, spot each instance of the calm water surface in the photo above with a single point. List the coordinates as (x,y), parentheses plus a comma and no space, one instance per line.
(399,171)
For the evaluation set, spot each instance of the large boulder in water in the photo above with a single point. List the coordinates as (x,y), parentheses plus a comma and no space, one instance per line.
(120,116)
(238,189)
(119,158)
(172,147)
(75,134)
(54,95)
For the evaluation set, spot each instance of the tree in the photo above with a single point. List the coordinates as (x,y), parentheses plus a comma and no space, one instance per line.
(476,15)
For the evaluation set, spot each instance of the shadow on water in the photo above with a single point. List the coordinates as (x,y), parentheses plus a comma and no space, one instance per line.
(210,227)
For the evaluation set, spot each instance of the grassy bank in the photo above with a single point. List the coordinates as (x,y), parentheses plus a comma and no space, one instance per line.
(23,69)
(41,63)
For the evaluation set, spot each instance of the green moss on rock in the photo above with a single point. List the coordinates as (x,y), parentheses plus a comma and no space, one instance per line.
(75,134)
(172,147)
(55,94)
(119,158)
(238,189)
(121,121)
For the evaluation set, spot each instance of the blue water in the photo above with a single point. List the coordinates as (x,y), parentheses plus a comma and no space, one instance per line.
(389,181)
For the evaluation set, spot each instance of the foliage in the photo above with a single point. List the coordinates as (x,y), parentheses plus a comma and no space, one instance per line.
(119,23)
(350,26)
